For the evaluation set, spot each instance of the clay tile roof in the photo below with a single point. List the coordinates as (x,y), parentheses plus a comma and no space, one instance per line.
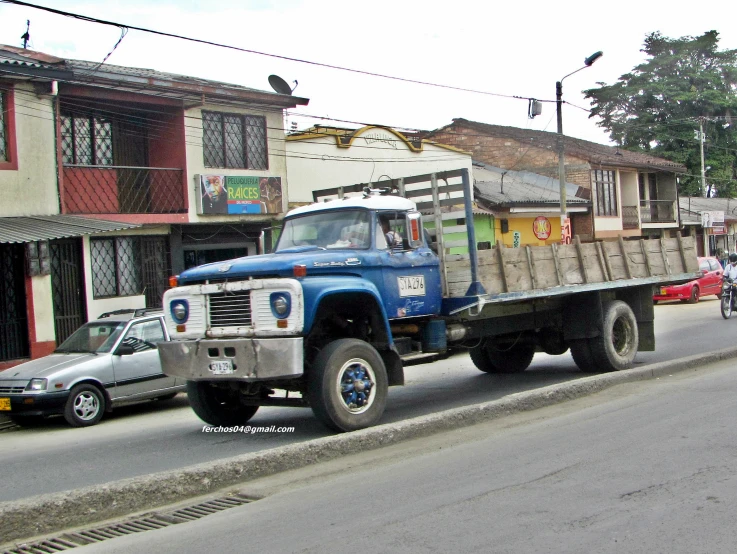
(592,152)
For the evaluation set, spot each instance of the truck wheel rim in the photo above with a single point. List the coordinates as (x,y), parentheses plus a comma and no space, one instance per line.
(86,406)
(622,336)
(356,380)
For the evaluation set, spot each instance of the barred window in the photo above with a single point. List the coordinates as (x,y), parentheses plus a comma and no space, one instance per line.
(3,129)
(234,141)
(86,140)
(605,187)
(116,267)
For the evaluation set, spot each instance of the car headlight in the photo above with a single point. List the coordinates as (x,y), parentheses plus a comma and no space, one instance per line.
(179,310)
(281,304)
(36,385)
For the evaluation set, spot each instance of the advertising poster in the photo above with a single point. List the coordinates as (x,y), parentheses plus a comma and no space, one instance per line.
(232,194)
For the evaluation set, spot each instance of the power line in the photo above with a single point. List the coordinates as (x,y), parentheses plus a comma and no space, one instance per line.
(257,52)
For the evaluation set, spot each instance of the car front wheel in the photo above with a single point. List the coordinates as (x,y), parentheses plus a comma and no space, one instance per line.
(85,406)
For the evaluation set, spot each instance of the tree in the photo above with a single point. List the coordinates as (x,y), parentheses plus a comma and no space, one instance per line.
(658,105)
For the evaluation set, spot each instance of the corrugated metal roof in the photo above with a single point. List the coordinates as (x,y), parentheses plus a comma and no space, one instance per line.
(45,227)
(501,187)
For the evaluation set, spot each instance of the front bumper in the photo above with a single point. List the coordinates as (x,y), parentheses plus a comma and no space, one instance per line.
(252,359)
(46,403)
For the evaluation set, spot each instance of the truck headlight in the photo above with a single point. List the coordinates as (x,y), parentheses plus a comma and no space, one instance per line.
(36,385)
(281,304)
(179,310)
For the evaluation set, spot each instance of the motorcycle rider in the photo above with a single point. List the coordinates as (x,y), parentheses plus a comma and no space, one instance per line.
(730,270)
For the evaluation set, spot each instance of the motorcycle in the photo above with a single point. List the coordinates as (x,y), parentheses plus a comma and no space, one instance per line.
(726,303)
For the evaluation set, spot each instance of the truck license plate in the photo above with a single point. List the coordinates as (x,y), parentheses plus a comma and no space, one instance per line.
(222,368)
(413,285)
(5,404)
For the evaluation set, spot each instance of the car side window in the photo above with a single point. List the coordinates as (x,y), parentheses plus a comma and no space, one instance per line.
(714,265)
(144,336)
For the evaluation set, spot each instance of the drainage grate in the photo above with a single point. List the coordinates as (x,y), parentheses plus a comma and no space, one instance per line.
(153,521)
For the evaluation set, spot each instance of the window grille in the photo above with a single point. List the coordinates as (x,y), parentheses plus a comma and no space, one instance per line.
(86,140)
(3,130)
(116,267)
(234,141)
(127,266)
(605,186)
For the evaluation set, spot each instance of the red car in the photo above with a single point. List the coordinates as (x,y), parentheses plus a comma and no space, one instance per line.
(709,283)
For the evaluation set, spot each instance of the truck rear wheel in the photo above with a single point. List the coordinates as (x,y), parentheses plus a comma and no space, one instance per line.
(218,405)
(513,360)
(616,347)
(347,385)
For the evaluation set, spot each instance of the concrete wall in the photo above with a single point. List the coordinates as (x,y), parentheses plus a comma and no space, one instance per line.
(321,160)
(32,188)
(196,162)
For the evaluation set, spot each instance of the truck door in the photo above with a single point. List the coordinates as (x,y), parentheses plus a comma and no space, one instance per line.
(411,271)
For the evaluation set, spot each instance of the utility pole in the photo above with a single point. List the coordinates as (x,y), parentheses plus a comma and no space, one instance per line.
(701,145)
(561,146)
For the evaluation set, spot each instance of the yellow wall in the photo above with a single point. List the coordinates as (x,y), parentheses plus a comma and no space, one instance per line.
(524,226)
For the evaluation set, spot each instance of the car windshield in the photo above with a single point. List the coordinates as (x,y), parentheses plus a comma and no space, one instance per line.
(96,336)
(326,230)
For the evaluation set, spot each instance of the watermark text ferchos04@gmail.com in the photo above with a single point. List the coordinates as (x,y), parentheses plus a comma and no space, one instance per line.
(246,429)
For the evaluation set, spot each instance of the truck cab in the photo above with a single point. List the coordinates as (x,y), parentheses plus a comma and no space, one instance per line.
(334,283)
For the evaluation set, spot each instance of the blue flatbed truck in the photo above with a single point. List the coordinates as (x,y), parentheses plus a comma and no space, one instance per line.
(332,316)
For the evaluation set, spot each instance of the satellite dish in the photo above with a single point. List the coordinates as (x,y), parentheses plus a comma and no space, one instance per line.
(280,85)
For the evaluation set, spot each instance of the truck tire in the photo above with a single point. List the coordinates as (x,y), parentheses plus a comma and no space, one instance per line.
(347,385)
(616,347)
(218,405)
(581,353)
(490,360)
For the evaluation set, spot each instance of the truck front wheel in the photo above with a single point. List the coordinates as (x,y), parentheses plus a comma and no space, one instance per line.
(511,360)
(347,385)
(218,405)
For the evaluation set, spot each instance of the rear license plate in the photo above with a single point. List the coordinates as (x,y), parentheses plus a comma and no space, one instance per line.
(221,368)
(5,404)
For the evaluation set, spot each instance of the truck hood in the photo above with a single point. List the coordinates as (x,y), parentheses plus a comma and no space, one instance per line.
(281,264)
(47,366)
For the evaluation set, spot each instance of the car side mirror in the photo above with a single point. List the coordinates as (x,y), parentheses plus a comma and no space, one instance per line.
(704,272)
(125,350)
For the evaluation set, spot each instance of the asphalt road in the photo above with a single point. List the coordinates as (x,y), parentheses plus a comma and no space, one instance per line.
(147,438)
(646,466)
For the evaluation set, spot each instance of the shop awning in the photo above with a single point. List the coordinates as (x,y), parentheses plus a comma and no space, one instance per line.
(45,227)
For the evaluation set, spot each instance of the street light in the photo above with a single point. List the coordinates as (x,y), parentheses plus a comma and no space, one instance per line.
(559,112)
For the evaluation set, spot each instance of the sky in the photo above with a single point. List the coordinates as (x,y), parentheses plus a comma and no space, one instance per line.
(503,49)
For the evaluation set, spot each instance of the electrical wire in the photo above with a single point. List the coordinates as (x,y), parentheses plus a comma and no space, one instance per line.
(257,52)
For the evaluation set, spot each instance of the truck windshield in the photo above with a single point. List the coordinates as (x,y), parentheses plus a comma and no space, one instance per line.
(326,230)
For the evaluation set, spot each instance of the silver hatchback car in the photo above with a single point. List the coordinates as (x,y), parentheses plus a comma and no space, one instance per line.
(105,363)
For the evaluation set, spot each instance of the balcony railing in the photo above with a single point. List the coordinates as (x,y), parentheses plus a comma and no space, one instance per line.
(657,211)
(94,189)
(630,217)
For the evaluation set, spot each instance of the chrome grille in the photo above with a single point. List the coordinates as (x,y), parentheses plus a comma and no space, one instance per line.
(231,309)
(13,389)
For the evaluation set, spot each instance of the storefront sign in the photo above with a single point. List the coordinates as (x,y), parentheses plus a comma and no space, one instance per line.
(231,194)
(541,227)
(565,232)
(516,239)
(712,219)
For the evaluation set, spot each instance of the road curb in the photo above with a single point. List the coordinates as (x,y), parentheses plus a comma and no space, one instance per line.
(55,512)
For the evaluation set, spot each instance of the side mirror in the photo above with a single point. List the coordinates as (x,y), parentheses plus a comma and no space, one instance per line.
(124,350)
(704,272)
